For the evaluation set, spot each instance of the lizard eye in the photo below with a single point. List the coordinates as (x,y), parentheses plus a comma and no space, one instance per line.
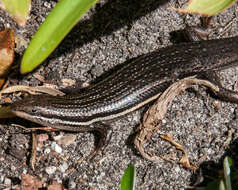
(34,110)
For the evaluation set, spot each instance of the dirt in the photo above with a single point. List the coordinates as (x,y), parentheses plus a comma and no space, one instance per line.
(111,33)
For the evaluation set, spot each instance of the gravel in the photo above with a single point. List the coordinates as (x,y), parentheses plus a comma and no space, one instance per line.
(110,34)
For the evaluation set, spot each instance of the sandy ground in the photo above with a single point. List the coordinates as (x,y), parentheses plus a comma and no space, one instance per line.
(111,33)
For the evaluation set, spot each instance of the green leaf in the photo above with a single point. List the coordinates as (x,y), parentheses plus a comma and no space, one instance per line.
(208,7)
(222,185)
(56,26)
(128,178)
(227,163)
(18,9)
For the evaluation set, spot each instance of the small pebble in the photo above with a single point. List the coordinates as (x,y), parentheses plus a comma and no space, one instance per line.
(7,181)
(47,151)
(50,170)
(63,167)
(177,169)
(24,171)
(56,148)
(1,179)
(72,184)
(48,5)
(13,168)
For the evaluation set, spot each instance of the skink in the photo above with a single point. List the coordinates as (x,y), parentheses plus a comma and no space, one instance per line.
(136,83)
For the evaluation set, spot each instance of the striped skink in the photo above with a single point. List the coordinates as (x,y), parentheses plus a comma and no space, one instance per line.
(136,83)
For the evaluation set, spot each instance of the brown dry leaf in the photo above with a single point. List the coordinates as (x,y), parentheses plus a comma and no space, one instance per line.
(33,151)
(28,182)
(20,42)
(154,115)
(65,140)
(39,77)
(32,90)
(184,160)
(42,138)
(6,52)
(55,186)
(170,139)
(68,82)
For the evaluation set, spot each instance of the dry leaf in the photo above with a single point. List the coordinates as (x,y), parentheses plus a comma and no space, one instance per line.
(32,90)
(55,186)
(154,115)
(184,160)
(65,140)
(28,182)
(33,151)
(6,52)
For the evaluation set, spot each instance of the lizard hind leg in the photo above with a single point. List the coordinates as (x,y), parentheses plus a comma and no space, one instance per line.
(104,135)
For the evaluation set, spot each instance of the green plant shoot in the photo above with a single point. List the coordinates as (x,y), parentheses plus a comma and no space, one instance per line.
(56,26)
(128,178)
